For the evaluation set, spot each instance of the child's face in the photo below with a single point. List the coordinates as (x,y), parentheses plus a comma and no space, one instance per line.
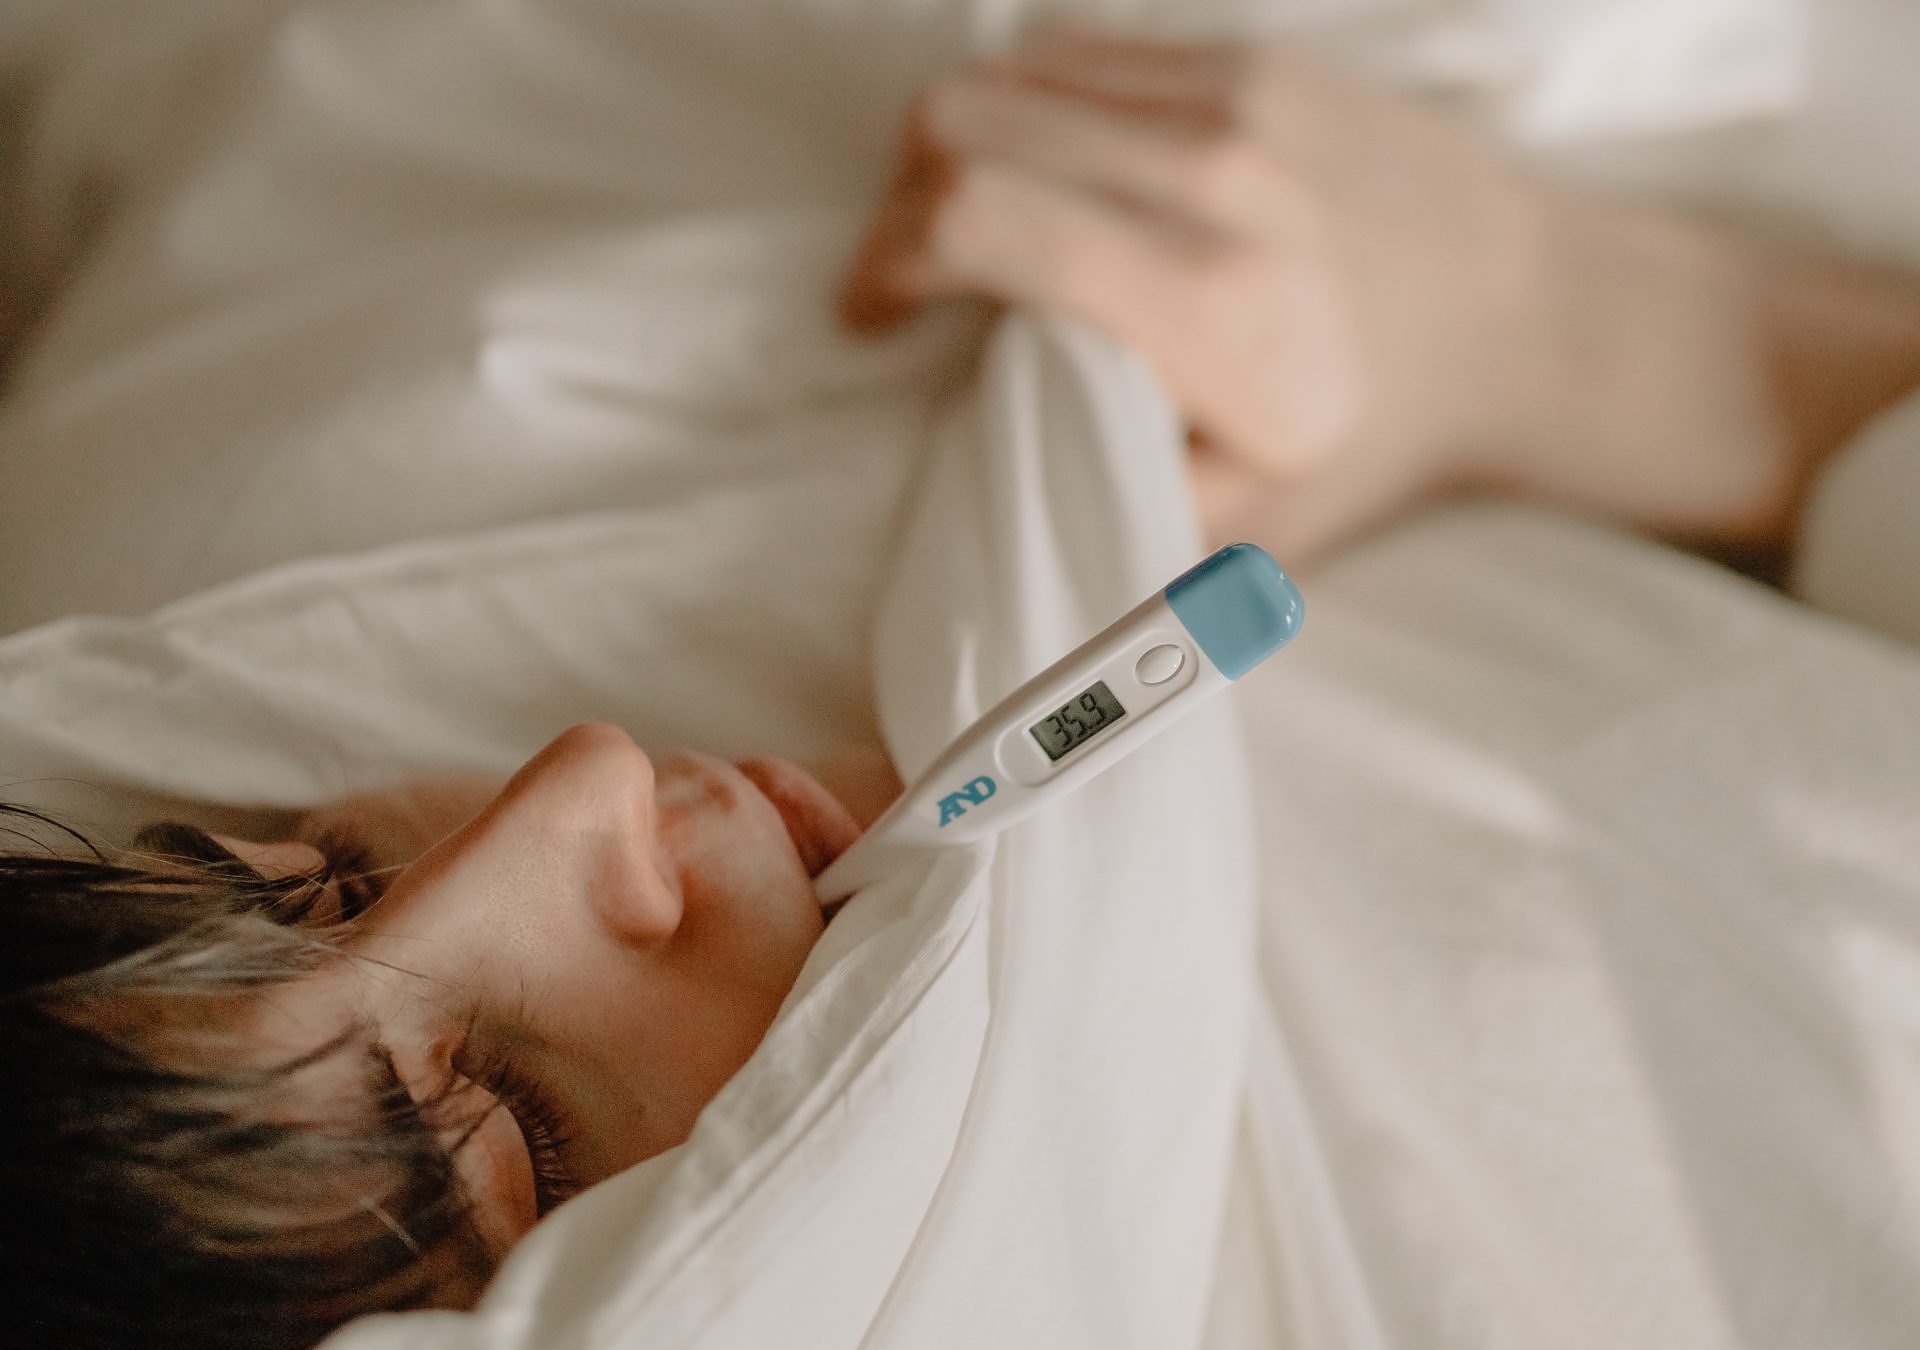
(618,935)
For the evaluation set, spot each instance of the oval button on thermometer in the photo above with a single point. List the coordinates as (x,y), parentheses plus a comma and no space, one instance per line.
(1212,625)
(1160,664)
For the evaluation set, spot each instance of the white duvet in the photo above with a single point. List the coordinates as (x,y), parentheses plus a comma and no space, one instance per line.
(1551,981)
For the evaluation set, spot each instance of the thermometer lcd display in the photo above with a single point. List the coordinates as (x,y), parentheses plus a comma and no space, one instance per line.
(1078,721)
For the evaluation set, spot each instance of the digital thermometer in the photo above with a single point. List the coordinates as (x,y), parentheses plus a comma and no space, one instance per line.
(1209,627)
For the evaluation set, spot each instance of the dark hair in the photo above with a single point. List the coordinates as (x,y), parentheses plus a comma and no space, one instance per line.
(156,1189)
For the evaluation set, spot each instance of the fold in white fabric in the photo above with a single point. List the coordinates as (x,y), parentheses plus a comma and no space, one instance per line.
(471,363)
(1023,1065)
(1591,952)
(1556,73)
(301,246)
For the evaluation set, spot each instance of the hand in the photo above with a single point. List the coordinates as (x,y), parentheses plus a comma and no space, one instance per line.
(1338,288)
(1357,305)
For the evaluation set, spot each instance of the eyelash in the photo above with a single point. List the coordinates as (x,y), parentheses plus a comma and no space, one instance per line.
(541,1125)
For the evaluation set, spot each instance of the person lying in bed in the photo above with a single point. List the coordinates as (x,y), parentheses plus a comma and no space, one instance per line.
(282,1093)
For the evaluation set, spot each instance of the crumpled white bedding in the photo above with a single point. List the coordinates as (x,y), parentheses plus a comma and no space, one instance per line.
(1591,929)
(383,243)
(1586,924)
(959,1087)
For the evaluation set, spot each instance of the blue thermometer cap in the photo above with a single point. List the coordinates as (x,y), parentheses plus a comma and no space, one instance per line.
(1239,606)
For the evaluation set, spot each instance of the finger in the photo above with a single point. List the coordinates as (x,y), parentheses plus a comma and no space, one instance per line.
(1026,238)
(871,300)
(1207,180)
(275,859)
(1203,77)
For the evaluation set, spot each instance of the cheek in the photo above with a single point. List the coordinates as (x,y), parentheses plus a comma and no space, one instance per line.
(748,899)
(728,847)
(741,876)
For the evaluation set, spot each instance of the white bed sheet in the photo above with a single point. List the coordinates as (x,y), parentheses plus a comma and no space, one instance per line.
(1023,1064)
(1591,935)
(1569,1039)
(390,244)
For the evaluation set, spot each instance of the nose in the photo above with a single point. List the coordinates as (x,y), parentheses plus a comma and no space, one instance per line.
(585,809)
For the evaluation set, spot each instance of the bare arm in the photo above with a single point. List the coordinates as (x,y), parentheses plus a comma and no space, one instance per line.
(1358,305)
(1708,377)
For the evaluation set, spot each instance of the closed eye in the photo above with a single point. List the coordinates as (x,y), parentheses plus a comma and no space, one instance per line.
(543,1126)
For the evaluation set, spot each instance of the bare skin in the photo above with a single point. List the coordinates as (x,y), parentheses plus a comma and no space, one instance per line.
(618,929)
(1358,305)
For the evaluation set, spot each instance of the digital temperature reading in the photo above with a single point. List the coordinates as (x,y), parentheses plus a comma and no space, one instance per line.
(1072,726)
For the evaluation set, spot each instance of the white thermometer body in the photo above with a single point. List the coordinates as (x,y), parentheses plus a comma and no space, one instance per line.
(1212,625)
